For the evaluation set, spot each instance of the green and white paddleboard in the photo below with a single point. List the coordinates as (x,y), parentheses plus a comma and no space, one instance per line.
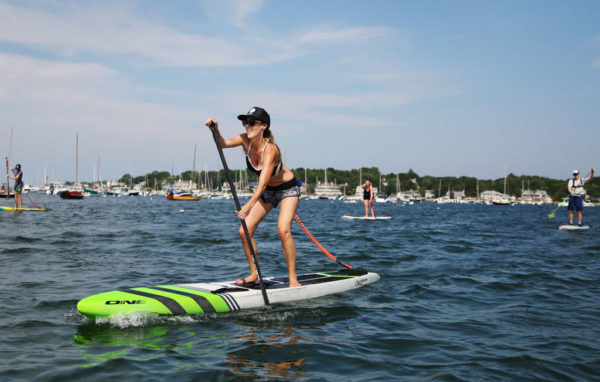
(220,297)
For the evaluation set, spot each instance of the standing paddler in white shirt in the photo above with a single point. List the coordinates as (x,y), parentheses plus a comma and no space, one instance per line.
(576,194)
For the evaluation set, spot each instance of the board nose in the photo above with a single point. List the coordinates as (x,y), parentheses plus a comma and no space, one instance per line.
(86,307)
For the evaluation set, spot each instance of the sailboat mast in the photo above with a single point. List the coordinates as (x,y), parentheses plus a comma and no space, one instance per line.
(193,166)
(76,158)
(504,179)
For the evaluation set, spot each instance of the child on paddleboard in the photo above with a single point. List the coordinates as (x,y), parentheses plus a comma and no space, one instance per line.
(276,186)
(576,194)
(18,178)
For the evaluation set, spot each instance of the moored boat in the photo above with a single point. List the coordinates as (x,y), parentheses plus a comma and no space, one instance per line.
(76,192)
(71,194)
(182,196)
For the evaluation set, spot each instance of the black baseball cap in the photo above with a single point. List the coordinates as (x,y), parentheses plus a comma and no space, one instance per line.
(257,113)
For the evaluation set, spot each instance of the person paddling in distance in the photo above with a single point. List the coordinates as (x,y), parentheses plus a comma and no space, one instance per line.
(576,194)
(18,178)
(277,185)
(368,196)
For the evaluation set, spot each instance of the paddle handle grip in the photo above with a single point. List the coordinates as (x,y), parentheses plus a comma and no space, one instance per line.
(213,129)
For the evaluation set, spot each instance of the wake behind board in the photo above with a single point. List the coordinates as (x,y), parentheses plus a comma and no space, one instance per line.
(366,217)
(570,227)
(220,297)
(20,209)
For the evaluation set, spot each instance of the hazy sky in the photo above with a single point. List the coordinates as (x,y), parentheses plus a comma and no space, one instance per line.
(447,88)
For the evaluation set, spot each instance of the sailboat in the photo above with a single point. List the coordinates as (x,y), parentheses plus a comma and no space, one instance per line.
(180,195)
(76,192)
(443,199)
(503,201)
(5,191)
(97,189)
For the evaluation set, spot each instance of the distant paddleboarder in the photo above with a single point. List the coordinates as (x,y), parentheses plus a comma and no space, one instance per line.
(368,196)
(576,194)
(18,178)
(276,186)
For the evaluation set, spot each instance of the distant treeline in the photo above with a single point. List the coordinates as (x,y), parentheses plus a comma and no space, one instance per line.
(349,179)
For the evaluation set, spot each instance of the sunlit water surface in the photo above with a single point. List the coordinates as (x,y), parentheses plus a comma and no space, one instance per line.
(467,292)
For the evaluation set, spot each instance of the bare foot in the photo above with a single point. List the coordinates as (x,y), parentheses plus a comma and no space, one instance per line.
(248,280)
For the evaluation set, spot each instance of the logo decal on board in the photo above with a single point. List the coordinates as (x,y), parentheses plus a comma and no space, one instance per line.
(124,302)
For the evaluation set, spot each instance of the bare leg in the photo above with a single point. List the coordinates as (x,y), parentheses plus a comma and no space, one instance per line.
(287,211)
(366,208)
(579,216)
(257,214)
(571,217)
(372,208)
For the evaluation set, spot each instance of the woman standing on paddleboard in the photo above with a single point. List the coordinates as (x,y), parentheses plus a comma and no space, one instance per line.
(276,186)
(368,196)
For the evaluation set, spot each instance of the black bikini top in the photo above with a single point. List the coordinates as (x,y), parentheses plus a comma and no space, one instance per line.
(257,171)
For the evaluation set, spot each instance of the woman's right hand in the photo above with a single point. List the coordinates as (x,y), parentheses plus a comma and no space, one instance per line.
(212,121)
(244,211)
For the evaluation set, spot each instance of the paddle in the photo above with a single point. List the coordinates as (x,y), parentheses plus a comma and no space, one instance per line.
(7,187)
(552,214)
(7,166)
(213,129)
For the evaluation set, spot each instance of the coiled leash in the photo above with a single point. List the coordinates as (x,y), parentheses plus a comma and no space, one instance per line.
(312,238)
(36,206)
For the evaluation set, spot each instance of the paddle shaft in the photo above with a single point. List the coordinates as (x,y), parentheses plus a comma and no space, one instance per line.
(7,166)
(559,205)
(213,129)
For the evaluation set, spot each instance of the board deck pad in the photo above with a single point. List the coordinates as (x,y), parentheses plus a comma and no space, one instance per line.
(366,217)
(220,297)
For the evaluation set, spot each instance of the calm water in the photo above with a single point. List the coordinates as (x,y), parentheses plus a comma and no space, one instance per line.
(468,292)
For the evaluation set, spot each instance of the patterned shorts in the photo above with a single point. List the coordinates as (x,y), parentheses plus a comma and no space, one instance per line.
(274,195)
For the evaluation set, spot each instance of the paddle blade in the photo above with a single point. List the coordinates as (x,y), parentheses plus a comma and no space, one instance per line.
(551,215)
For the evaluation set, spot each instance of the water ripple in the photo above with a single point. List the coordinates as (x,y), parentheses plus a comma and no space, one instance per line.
(468,292)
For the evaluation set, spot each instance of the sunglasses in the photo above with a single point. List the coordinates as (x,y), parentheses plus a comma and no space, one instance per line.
(251,122)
